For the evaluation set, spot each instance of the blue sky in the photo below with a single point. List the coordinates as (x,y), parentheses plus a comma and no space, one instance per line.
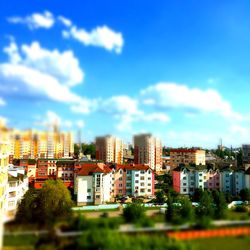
(177,69)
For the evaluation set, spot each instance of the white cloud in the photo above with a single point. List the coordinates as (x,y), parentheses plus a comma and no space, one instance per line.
(62,65)
(80,124)
(125,110)
(44,73)
(239,130)
(65,21)
(101,37)
(2,102)
(44,20)
(171,95)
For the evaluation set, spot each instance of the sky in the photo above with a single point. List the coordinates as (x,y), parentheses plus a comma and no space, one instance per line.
(176,69)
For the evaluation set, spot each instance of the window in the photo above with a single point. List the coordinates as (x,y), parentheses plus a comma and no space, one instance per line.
(184,184)
(89,190)
(149,184)
(120,191)
(88,197)
(120,185)
(184,178)
(120,179)
(142,178)
(149,190)
(136,187)
(97,196)
(142,184)
(142,190)
(149,178)
(142,172)
(137,175)
(184,190)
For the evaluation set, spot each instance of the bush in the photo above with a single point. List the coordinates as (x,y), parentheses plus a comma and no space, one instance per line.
(134,212)
(240,209)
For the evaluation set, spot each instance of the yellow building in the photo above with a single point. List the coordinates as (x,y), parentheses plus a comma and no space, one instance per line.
(41,144)
(4,159)
(187,157)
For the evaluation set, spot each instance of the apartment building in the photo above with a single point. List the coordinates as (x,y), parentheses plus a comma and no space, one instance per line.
(148,150)
(188,178)
(109,149)
(62,169)
(18,185)
(187,157)
(93,184)
(40,144)
(4,159)
(133,180)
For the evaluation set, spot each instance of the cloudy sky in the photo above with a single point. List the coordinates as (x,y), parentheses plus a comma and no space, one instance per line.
(177,69)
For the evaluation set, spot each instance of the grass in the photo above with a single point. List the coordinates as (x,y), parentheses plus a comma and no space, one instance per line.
(232,215)
(228,243)
(20,240)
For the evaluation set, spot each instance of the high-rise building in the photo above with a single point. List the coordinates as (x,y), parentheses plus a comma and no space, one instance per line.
(4,159)
(40,144)
(148,150)
(109,149)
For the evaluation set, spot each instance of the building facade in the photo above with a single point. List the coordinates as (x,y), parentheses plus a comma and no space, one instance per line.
(4,159)
(148,150)
(188,178)
(187,157)
(109,149)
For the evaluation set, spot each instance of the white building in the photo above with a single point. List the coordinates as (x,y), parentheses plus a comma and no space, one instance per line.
(93,184)
(18,185)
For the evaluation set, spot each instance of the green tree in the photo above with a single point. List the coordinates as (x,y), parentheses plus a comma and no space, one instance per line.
(205,211)
(55,200)
(245,194)
(134,212)
(198,192)
(160,197)
(28,208)
(186,210)
(47,205)
(170,209)
(220,204)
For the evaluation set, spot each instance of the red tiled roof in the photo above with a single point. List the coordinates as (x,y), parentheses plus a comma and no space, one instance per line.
(132,167)
(89,168)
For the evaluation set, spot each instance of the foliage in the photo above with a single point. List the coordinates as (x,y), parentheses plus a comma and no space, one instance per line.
(220,204)
(87,149)
(240,208)
(134,212)
(110,240)
(205,211)
(245,194)
(160,197)
(165,182)
(198,192)
(47,205)
(28,208)
(180,212)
